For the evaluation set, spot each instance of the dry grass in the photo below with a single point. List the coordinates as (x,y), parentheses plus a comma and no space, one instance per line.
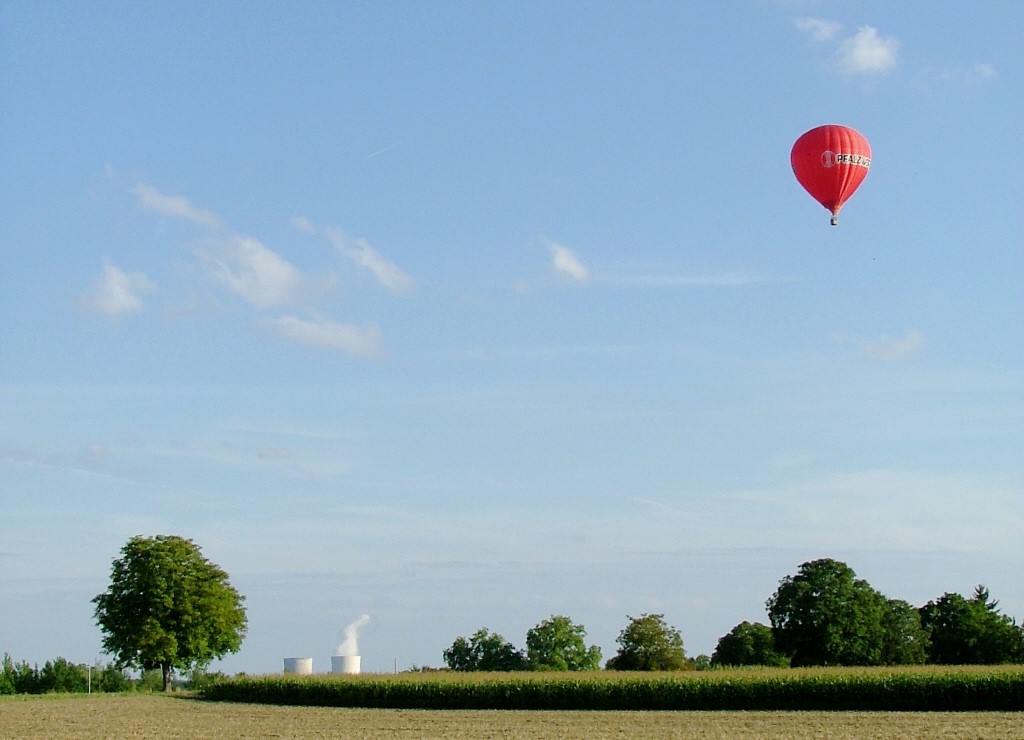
(149,716)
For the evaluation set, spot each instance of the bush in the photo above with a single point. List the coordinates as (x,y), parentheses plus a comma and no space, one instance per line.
(60,676)
(110,679)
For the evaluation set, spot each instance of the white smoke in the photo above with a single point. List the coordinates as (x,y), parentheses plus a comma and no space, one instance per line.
(350,636)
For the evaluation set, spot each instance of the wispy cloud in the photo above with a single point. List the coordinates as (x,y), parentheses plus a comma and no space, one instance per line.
(979,71)
(983,70)
(176,206)
(920,510)
(303,224)
(565,262)
(359,251)
(290,430)
(117,292)
(818,29)
(710,280)
(388,274)
(258,274)
(90,460)
(274,453)
(867,53)
(893,348)
(326,334)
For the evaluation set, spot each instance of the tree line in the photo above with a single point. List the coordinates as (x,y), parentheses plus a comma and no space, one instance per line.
(64,676)
(170,609)
(60,675)
(558,644)
(823,615)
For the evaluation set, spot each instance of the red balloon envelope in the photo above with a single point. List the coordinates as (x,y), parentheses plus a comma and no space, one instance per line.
(831,162)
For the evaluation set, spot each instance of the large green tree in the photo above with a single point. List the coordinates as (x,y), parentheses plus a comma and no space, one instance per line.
(971,631)
(748,644)
(557,644)
(825,615)
(904,640)
(649,644)
(484,651)
(168,607)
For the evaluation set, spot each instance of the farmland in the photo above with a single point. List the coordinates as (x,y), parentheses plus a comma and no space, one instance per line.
(148,715)
(901,688)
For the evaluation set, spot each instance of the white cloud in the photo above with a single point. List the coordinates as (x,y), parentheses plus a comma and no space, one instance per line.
(175,205)
(565,262)
(867,53)
(359,251)
(258,274)
(261,276)
(980,71)
(387,272)
(117,292)
(890,348)
(303,224)
(818,28)
(330,335)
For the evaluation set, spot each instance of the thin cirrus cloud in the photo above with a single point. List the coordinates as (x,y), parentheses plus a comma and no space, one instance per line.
(325,334)
(981,71)
(565,262)
(387,273)
(116,292)
(891,349)
(975,73)
(176,206)
(818,29)
(359,251)
(708,280)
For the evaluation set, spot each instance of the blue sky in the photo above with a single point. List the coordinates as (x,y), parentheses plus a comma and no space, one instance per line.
(461,315)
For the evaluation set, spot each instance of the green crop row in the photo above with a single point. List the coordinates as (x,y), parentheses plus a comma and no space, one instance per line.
(997,689)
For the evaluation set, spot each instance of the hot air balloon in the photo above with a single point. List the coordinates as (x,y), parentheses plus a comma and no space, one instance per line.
(831,162)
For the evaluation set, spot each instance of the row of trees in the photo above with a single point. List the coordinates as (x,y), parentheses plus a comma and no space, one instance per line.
(169,608)
(823,615)
(826,615)
(558,644)
(60,675)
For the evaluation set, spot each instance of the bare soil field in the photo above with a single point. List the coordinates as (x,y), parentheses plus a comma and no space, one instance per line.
(156,716)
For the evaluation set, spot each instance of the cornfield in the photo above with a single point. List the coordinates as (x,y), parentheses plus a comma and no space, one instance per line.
(893,689)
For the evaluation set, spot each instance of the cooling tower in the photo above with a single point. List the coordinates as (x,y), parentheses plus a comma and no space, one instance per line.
(300,666)
(345,664)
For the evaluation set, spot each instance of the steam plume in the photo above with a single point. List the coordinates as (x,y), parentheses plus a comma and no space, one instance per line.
(350,644)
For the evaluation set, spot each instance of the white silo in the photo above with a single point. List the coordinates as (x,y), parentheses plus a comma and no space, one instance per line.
(298,666)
